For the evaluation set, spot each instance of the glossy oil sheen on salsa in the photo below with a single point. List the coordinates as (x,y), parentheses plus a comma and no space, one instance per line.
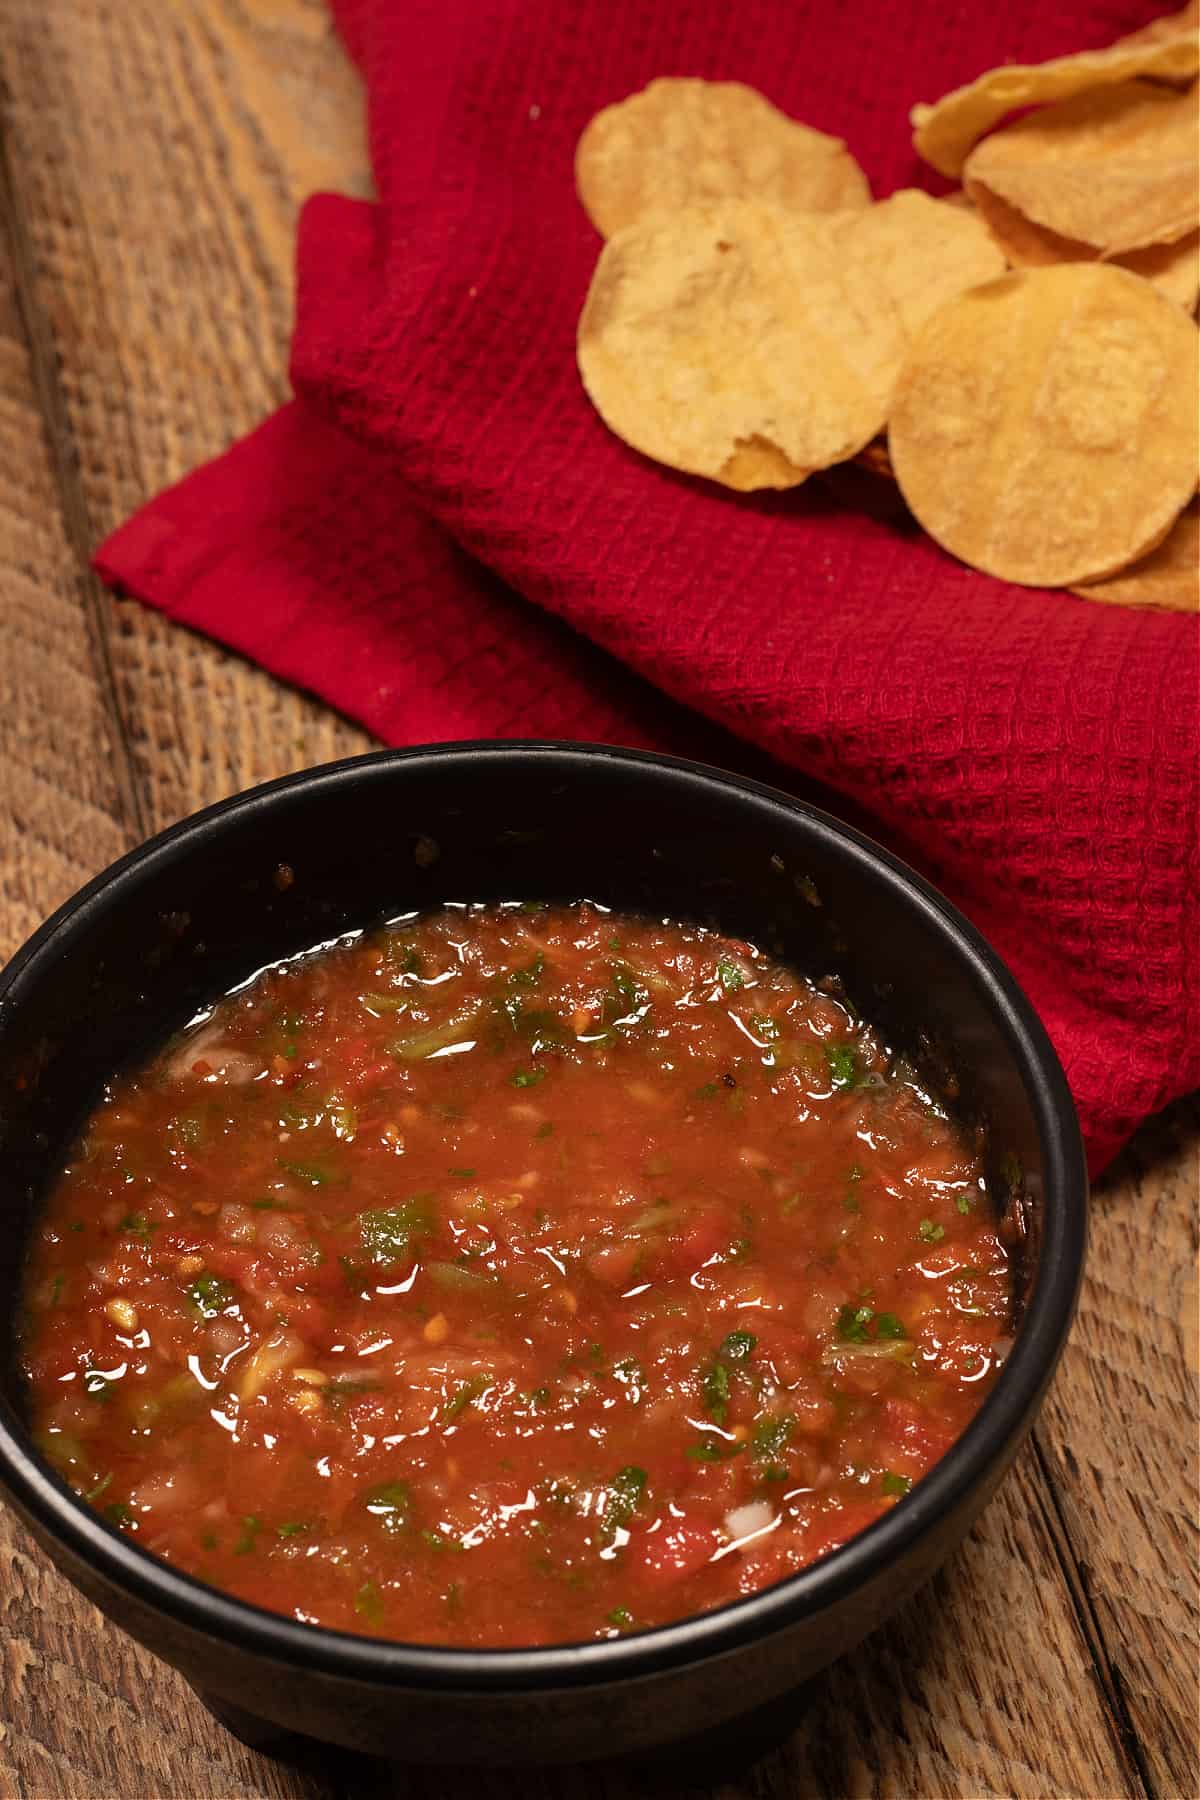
(513,1275)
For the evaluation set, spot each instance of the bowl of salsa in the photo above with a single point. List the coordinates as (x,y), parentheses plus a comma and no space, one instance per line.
(519,1252)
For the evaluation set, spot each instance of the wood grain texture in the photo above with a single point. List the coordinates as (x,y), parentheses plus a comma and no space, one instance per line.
(1119,1443)
(83,1711)
(160,153)
(156,152)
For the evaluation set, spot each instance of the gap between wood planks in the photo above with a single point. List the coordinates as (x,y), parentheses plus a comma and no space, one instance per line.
(1125,1741)
(1108,1677)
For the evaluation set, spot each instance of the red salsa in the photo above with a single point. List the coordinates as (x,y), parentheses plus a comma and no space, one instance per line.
(510,1276)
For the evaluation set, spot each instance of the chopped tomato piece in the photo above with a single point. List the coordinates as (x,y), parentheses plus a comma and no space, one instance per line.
(679,1547)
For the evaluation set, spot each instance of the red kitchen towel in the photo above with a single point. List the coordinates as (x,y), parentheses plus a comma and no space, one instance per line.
(441,538)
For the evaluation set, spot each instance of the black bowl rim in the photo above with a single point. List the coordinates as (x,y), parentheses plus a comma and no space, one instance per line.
(57,1510)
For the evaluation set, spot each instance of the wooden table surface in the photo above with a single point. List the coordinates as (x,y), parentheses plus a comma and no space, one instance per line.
(154,154)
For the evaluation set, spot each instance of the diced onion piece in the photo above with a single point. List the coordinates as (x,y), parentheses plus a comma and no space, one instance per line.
(175,1490)
(899,1349)
(222,1063)
(282,1351)
(748,1520)
(236,1223)
(279,1235)
(226,1336)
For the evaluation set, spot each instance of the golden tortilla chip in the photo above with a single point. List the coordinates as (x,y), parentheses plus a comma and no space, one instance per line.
(700,346)
(1044,427)
(919,251)
(684,142)
(944,132)
(754,345)
(1169,26)
(1168,578)
(1173,268)
(1117,167)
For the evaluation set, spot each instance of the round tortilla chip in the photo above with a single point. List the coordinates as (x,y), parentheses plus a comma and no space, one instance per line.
(1116,167)
(920,251)
(1171,25)
(754,345)
(701,345)
(944,131)
(1173,268)
(1044,427)
(684,142)
(1169,578)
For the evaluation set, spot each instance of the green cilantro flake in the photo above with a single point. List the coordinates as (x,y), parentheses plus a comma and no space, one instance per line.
(731,977)
(527,1078)
(716,1392)
(929,1233)
(852,1322)
(387,1232)
(843,1064)
(528,977)
(462,1396)
(316,1174)
(137,1225)
(391,1503)
(368,1603)
(210,1295)
(770,1437)
(625,1492)
(737,1346)
(251,1527)
(895,1484)
(887,1325)
(963,1203)
(434,1540)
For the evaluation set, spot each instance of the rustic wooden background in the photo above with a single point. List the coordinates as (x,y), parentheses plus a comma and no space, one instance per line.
(154,153)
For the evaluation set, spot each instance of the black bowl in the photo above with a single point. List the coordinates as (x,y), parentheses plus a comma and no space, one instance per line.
(256,878)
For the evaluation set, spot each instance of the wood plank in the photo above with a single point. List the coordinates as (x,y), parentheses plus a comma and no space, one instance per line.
(64,807)
(83,1711)
(162,154)
(156,267)
(1119,1439)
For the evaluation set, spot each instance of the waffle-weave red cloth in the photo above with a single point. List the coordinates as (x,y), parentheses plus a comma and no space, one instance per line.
(440,537)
